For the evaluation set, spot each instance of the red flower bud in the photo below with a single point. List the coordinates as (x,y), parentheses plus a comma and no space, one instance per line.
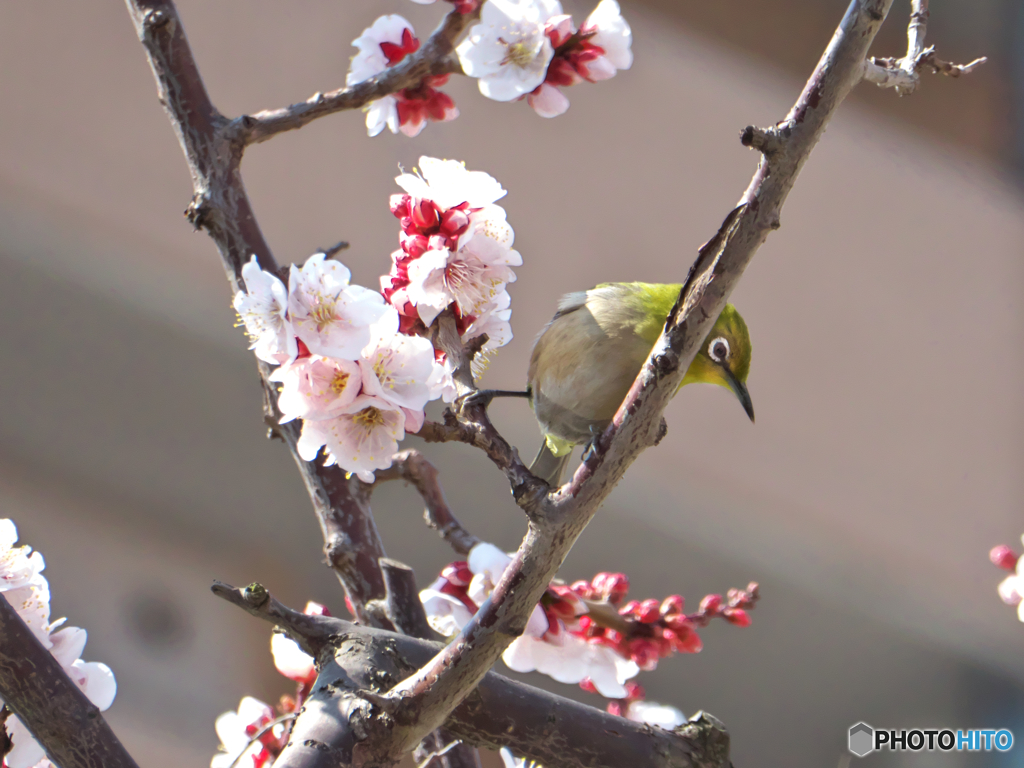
(1003,557)
(671,605)
(635,692)
(737,616)
(710,603)
(588,685)
(424,214)
(400,205)
(649,611)
(458,573)
(629,607)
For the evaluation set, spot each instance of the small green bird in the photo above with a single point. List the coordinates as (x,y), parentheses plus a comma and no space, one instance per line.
(588,356)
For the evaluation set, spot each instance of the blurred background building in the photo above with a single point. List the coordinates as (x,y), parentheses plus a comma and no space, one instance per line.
(887,319)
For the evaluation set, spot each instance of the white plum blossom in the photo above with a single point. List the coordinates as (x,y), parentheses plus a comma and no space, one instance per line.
(317,387)
(330,316)
(652,713)
(509,50)
(236,729)
(613,35)
(445,613)
(27,590)
(362,439)
(263,308)
(448,184)
(289,659)
(401,370)
(19,566)
(371,60)
(568,659)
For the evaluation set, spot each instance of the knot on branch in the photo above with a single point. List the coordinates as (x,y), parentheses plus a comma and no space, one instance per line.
(200,210)
(768,141)
(255,595)
(710,737)
(153,19)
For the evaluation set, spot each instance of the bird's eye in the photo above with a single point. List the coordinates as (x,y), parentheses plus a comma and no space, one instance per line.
(718,350)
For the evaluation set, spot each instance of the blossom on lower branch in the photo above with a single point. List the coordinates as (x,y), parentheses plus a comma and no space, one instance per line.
(585,632)
(27,590)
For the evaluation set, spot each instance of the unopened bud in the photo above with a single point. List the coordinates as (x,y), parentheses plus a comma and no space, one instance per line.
(710,603)
(1003,557)
(649,611)
(737,616)
(671,605)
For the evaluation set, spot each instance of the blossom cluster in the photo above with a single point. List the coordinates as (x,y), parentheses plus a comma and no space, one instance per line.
(649,630)
(1011,589)
(529,48)
(23,585)
(356,382)
(578,633)
(519,49)
(456,251)
(256,731)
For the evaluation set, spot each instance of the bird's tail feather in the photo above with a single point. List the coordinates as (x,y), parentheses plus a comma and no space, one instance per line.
(549,467)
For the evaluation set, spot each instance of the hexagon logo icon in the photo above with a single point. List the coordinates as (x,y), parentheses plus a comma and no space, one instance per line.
(861,739)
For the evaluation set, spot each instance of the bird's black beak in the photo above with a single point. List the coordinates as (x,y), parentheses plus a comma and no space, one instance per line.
(740,390)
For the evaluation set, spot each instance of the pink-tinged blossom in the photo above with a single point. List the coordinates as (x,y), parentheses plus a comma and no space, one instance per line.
(237,730)
(509,51)
(330,316)
(548,101)
(611,33)
(495,323)
(263,308)
(359,441)
(1011,589)
(382,45)
(317,387)
(401,370)
(448,184)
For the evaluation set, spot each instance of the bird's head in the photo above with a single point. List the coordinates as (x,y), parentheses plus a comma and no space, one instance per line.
(724,358)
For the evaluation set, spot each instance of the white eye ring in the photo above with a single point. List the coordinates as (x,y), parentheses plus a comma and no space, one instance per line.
(718,349)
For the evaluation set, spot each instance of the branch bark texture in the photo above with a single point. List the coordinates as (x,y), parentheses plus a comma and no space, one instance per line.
(60,717)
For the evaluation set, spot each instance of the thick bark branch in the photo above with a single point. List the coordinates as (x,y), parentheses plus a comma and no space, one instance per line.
(558,732)
(35,688)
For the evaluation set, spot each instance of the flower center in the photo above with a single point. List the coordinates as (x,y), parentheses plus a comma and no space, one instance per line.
(339,381)
(517,53)
(470,285)
(369,418)
(322,313)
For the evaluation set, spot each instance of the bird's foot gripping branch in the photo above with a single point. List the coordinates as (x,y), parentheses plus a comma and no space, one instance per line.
(347,372)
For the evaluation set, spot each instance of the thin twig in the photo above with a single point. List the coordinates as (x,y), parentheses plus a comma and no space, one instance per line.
(905,74)
(435,57)
(259,734)
(413,467)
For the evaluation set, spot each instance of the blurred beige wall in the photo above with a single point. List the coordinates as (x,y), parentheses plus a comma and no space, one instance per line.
(888,349)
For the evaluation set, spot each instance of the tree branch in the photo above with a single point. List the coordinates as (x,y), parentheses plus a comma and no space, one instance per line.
(904,74)
(60,717)
(557,520)
(435,57)
(221,207)
(413,467)
(558,732)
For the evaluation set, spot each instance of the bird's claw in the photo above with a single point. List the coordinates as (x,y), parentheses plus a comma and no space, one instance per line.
(477,398)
